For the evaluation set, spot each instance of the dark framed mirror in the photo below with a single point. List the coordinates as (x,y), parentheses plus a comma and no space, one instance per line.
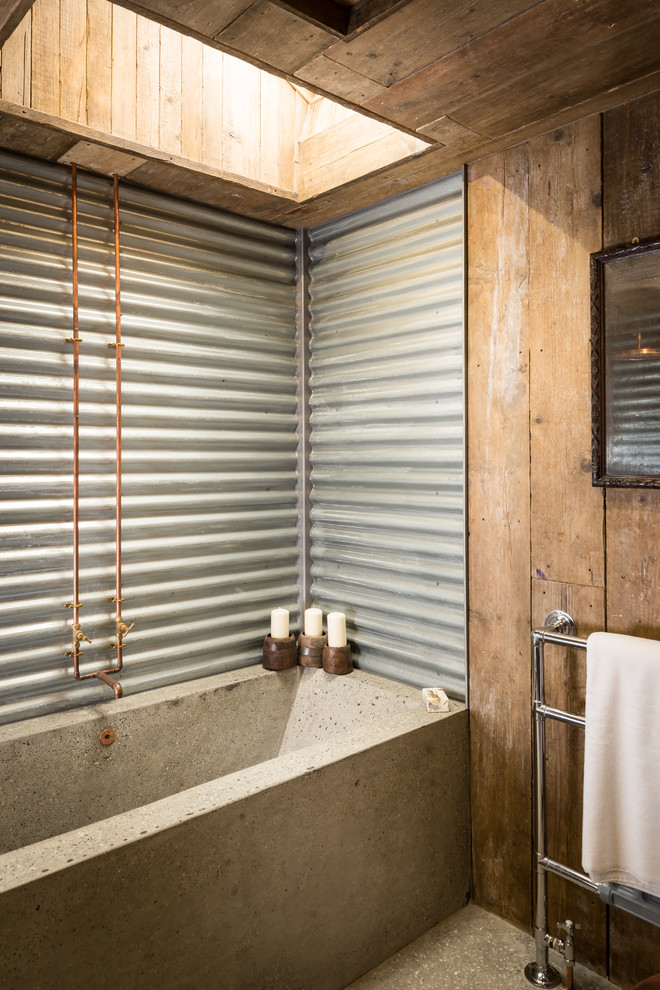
(625,387)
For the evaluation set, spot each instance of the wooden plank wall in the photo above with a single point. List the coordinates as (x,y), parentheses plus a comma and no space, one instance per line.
(101,65)
(541,537)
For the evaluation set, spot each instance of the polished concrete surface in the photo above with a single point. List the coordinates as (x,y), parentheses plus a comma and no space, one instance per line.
(470,950)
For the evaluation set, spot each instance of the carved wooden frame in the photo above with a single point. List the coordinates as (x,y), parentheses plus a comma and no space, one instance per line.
(599,261)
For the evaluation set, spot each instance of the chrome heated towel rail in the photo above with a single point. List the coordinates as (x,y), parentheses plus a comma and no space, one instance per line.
(560,630)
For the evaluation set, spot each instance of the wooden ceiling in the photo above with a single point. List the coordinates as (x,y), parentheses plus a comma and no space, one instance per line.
(473,77)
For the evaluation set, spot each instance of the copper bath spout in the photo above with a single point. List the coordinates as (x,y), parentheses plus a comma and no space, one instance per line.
(111,682)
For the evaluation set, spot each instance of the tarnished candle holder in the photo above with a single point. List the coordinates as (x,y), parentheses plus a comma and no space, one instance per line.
(337,659)
(310,650)
(280,654)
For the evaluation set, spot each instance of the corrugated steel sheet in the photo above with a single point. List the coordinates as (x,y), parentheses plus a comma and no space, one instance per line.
(209,427)
(387,437)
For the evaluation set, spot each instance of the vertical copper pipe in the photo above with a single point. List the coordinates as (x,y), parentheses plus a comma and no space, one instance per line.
(118,346)
(76,418)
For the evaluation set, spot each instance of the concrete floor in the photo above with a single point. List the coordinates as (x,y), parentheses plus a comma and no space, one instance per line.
(470,950)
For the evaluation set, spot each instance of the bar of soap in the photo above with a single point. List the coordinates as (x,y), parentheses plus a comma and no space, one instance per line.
(436,700)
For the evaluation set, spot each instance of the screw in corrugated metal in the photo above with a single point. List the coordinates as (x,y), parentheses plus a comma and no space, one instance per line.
(121,628)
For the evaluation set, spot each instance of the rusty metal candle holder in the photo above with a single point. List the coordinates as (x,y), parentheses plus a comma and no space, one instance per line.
(280,654)
(337,659)
(310,650)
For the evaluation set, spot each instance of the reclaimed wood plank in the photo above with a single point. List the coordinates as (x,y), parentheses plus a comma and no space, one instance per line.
(287,138)
(17,63)
(212,98)
(192,83)
(148,82)
(453,135)
(336,141)
(341,168)
(99,65)
(27,137)
(169,113)
(124,72)
(424,31)
(490,74)
(565,228)
(499,527)
(73,60)
(269,166)
(241,138)
(46,56)
(340,80)
(275,36)
(205,18)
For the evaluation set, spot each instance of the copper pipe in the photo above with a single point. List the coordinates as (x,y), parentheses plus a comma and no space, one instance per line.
(75,340)
(118,346)
(115,685)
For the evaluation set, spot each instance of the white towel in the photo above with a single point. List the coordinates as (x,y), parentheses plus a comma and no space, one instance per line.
(621,815)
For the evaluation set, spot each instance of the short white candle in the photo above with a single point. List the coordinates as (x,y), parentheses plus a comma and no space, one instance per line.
(336,629)
(279,623)
(313,622)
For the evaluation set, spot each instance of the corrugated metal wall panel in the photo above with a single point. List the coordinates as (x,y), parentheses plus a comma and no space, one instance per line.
(387,434)
(209,430)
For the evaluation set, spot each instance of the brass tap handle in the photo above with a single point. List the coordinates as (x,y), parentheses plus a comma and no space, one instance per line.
(79,636)
(122,629)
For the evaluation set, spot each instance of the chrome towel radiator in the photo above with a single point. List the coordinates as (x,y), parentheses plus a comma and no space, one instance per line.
(560,630)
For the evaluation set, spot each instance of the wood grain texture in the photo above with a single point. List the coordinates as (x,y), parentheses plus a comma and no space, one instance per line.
(124,73)
(17,63)
(192,88)
(148,82)
(46,56)
(170,109)
(449,132)
(340,80)
(73,61)
(241,129)
(512,76)
(424,30)
(23,134)
(99,65)
(271,34)
(499,533)
(212,118)
(204,18)
(565,227)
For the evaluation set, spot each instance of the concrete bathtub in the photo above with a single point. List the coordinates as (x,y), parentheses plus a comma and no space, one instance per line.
(247,831)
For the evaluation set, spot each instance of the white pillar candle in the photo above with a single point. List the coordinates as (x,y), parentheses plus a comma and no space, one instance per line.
(313,622)
(279,623)
(336,629)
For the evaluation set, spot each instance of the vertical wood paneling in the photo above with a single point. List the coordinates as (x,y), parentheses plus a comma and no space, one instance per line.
(148,82)
(631,208)
(212,123)
(124,72)
(191,97)
(241,130)
(17,63)
(565,227)
(99,65)
(499,528)
(287,144)
(73,60)
(270,127)
(170,91)
(567,512)
(46,56)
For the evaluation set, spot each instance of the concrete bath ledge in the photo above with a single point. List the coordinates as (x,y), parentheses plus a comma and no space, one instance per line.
(298,873)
